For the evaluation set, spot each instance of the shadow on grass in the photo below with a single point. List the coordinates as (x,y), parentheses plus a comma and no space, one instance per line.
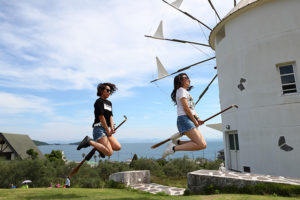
(55,196)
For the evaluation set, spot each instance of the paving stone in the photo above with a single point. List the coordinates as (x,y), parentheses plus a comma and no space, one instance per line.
(156,188)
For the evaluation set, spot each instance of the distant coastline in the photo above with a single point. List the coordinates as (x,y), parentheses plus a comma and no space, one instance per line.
(122,140)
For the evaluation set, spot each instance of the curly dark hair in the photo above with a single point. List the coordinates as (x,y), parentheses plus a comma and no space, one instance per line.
(102,86)
(177,84)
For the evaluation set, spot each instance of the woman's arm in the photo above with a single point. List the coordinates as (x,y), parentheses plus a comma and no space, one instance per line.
(112,125)
(188,111)
(104,124)
(200,122)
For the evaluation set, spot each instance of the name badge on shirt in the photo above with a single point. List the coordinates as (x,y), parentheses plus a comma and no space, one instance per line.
(107,107)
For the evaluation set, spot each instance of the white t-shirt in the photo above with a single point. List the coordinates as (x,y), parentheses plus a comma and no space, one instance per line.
(183,93)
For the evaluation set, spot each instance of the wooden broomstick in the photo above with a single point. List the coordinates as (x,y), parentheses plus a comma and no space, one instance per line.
(91,153)
(167,140)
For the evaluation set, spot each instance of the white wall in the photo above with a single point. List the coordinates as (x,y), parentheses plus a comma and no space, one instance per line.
(255,42)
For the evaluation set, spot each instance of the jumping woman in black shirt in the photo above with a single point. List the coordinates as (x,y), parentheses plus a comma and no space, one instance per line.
(103,126)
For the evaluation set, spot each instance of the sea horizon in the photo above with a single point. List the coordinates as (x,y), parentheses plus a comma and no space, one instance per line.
(121,140)
(140,149)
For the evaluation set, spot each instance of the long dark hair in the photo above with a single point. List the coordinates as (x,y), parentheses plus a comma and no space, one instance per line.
(177,84)
(102,86)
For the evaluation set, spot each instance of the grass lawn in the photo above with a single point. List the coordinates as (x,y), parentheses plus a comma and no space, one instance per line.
(113,194)
(169,181)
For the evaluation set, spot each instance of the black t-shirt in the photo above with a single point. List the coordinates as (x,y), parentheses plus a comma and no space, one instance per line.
(103,107)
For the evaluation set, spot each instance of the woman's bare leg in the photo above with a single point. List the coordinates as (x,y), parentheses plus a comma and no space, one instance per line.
(197,141)
(103,145)
(116,146)
(183,142)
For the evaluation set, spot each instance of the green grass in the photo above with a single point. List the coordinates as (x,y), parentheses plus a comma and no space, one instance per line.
(169,181)
(113,194)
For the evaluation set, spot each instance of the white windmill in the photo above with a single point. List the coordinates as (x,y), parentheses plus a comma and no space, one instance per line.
(258,50)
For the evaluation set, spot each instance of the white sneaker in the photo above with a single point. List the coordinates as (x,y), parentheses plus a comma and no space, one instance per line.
(174,138)
(175,141)
(168,150)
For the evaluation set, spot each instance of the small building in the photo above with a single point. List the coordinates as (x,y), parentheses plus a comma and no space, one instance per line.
(14,146)
(257,49)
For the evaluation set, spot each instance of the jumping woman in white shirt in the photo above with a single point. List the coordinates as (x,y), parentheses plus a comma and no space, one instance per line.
(187,119)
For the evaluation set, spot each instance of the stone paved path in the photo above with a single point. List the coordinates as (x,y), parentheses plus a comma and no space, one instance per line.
(156,188)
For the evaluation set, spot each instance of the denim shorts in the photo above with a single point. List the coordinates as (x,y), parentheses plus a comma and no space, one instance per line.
(98,132)
(184,123)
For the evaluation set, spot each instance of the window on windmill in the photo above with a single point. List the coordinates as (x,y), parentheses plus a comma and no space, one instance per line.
(288,80)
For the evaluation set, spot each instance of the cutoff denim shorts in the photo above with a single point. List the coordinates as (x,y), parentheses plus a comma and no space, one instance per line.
(98,132)
(184,124)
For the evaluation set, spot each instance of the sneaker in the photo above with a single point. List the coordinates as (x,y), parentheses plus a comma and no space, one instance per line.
(176,141)
(168,150)
(84,143)
(175,138)
(101,154)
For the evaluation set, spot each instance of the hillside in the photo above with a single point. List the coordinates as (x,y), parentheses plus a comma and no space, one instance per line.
(39,143)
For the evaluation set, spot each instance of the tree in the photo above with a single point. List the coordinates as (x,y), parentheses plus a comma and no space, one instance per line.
(32,154)
(54,155)
(134,158)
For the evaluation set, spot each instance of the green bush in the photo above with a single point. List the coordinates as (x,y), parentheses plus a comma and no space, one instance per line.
(179,167)
(113,184)
(33,155)
(213,165)
(106,168)
(148,164)
(259,189)
(54,156)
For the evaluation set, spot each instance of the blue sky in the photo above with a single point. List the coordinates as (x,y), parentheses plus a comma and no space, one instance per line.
(54,53)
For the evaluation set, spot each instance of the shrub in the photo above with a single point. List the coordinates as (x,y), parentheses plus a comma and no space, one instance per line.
(106,168)
(113,184)
(32,154)
(148,164)
(213,165)
(259,189)
(179,167)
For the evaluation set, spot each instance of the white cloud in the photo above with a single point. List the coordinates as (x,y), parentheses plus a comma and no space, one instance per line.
(70,45)
(13,104)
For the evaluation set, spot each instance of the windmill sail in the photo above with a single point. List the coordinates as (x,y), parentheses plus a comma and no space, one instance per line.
(159,32)
(187,14)
(177,3)
(180,41)
(212,6)
(184,68)
(161,71)
(205,90)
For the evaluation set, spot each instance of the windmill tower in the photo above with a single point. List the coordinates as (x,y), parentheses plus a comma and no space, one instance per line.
(257,53)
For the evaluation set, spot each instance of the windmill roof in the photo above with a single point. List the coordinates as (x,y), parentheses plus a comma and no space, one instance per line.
(242,7)
(20,144)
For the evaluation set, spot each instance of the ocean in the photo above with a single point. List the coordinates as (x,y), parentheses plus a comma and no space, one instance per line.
(140,149)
